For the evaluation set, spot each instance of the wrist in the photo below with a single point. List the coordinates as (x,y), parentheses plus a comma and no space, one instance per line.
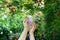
(25,29)
(31,32)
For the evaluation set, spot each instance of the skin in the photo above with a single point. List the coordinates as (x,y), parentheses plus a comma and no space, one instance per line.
(26,29)
(31,32)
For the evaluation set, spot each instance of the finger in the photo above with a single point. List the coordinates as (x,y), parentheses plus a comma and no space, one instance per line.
(25,21)
(34,25)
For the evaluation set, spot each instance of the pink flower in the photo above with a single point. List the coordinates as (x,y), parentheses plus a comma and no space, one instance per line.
(30,19)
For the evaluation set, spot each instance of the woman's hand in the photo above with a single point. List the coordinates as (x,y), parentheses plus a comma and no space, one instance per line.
(33,28)
(25,23)
(25,31)
(31,31)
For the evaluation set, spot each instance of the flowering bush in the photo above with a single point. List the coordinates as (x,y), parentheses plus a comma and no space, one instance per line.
(45,13)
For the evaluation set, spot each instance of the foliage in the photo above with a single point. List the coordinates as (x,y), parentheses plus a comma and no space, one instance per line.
(45,14)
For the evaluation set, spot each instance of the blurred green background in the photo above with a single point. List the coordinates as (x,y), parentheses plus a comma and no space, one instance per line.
(46,14)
